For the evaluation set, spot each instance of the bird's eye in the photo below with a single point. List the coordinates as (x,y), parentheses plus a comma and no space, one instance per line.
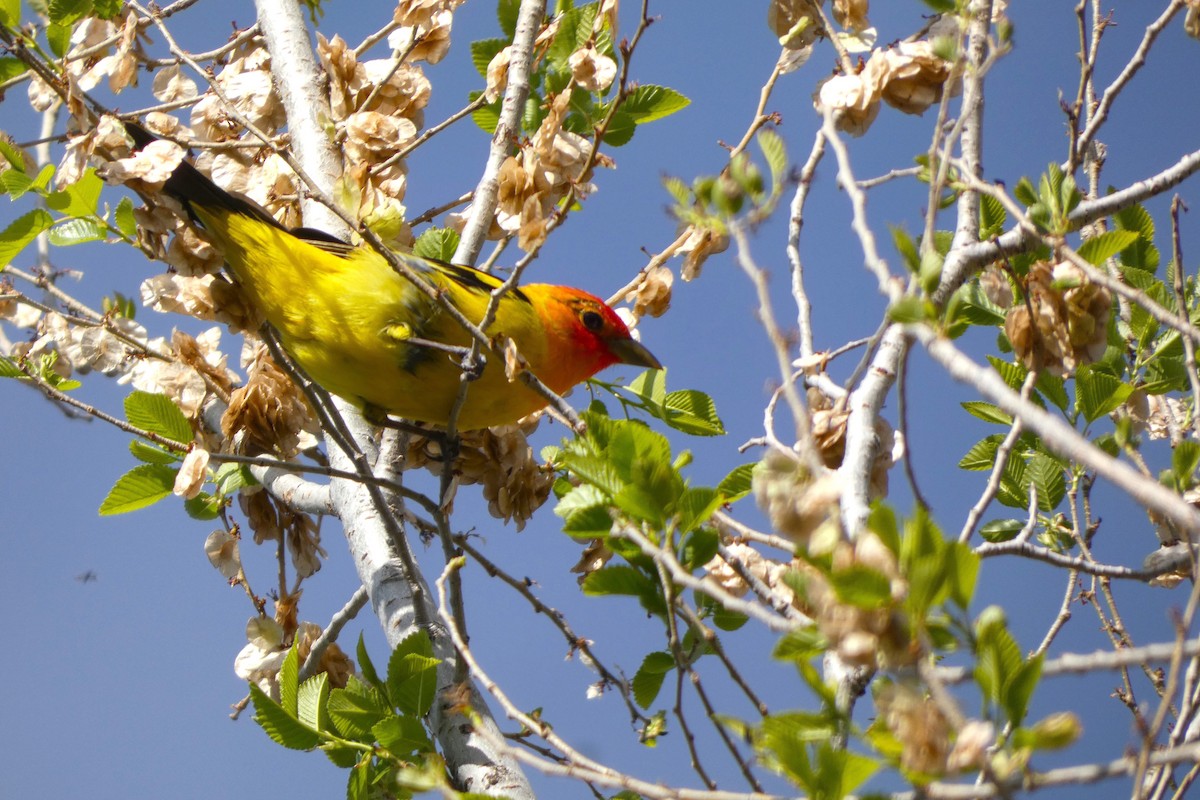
(592,321)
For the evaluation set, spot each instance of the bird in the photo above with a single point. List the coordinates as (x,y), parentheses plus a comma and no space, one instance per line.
(367,334)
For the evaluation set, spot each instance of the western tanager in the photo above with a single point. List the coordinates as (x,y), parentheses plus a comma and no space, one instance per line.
(367,334)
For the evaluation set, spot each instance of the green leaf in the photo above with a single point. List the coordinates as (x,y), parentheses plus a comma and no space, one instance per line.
(906,247)
(930,272)
(618,579)
(800,644)
(998,656)
(1058,194)
(486,117)
(1046,473)
(576,25)
(636,451)
(59,38)
(10,14)
(507,12)
(1019,689)
(593,470)
(142,486)
(784,741)
(231,477)
(862,587)
(204,506)
(982,454)
(9,369)
(289,680)
(925,562)
(412,674)
(1001,530)
(975,307)
(157,413)
(354,709)
(484,50)
(580,498)
(366,666)
(312,702)
(910,309)
(696,505)
(437,244)
(653,491)
(342,756)
(1184,460)
(108,9)
(882,521)
(694,412)
(15,183)
(20,232)
(649,678)
(699,548)
(678,190)
(1054,389)
(593,522)
(1098,393)
(1013,374)
(992,217)
(1099,249)
(737,483)
(647,103)
(282,727)
(651,386)
(1142,254)
(120,305)
(151,454)
(1136,218)
(964,571)
(80,199)
(13,155)
(1024,192)
(728,620)
(11,68)
(1055,732)
(79,230)
(620,130)
(123,218)
(361,780)
(1108,443)
(840,772)
(987,412)
(68,12)
(1014,484)
(402,736)
(775,154)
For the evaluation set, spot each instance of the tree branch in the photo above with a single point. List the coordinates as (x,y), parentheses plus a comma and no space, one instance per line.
(398,593)
(1058,436)
(483,203)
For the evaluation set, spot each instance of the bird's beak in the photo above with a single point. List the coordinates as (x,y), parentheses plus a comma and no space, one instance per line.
(631,351)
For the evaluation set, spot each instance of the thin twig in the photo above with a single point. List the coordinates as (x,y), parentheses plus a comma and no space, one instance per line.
(329,635)
(1132,67)
(1003,453)
(1189,346)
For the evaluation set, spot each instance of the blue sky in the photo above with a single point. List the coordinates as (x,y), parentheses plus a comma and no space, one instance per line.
(120,687)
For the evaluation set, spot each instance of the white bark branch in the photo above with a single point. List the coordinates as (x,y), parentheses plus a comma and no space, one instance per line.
(961,264)
(483,204)
(398,594)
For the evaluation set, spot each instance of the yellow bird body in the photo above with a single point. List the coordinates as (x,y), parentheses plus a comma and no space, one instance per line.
(364,332)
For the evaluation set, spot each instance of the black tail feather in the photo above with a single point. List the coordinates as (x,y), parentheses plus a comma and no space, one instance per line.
(192,188)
